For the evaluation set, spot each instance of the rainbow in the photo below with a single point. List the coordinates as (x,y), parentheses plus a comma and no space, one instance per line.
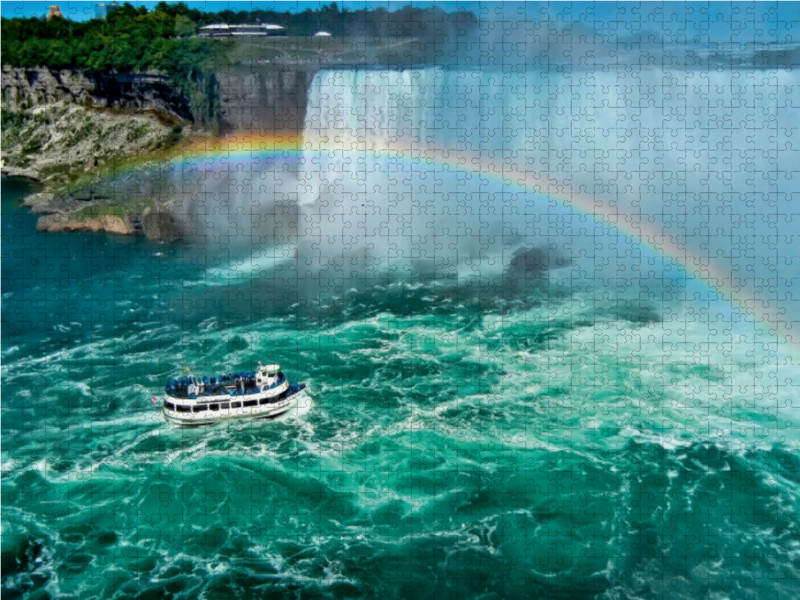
(253,147)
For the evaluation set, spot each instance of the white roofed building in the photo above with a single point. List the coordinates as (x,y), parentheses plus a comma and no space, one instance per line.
(244,29)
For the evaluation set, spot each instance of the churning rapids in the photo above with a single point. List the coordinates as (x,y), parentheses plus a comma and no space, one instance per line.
(511,398)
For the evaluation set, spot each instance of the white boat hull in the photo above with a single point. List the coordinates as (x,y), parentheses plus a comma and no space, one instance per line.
(234,413)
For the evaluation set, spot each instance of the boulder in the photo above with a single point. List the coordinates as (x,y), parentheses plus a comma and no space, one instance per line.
(160,226)
(105,224)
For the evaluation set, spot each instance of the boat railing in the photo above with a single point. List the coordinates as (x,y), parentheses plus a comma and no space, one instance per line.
(219,386)
(220,404)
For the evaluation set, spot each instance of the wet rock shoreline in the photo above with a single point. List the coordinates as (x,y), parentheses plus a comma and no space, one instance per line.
(59,215)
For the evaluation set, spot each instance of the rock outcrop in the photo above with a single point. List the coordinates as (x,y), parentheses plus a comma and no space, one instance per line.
(66,129)
(264,98)
(24,89)
(64,144)
(158,225)
(61,127)
(105,223)
(133,216)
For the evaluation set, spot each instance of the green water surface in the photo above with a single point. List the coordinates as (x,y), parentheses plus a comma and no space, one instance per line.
(451,449)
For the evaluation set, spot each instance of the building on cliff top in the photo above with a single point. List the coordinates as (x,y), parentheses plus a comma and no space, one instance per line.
(244,29)
(54,12)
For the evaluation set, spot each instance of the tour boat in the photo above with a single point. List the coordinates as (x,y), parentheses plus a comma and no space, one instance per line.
(260,394)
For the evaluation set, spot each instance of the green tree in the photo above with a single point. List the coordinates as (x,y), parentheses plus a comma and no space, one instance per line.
(184,26)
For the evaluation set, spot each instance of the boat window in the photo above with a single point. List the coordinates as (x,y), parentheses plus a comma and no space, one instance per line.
(265,401)
(182,408)
(250,402)
(200,408)
(214,406)
(236,404)
(225,405)
(169,405)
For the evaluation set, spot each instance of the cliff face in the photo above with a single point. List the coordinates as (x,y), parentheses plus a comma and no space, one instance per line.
(105,223)
(264,98)
(62,144)
(61,126)
(24,89)
(67,128)
(257,98)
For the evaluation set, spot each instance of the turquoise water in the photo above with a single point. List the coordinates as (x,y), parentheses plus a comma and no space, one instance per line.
(457,445)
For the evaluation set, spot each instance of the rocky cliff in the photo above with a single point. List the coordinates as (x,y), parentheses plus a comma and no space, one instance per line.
(62,127)
(71,130)
(122,92)
(263,98)
(63,145)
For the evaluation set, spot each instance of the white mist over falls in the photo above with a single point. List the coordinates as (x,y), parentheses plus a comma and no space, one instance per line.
(501,176)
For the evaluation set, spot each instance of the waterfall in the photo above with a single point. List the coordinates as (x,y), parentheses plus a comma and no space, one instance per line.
(685,132)
(705,156)
(426,173)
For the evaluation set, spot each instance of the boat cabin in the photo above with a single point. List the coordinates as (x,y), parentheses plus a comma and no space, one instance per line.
(264,380)
(267,375)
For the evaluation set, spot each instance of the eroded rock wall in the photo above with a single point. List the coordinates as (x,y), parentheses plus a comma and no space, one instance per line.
(25,89)
(264,98)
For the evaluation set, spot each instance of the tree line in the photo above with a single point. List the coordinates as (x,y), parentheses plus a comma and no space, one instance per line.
(164,39)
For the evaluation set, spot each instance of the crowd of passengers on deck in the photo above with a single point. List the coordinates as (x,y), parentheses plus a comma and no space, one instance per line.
(233,385)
